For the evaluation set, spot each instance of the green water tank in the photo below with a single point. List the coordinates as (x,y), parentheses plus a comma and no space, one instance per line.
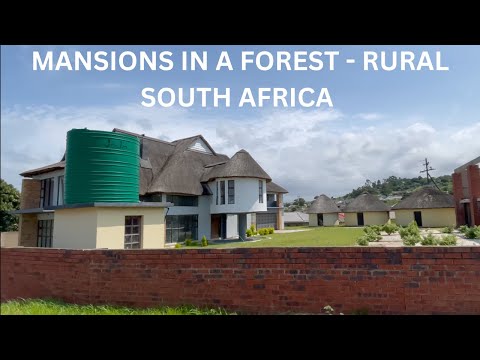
(101,166)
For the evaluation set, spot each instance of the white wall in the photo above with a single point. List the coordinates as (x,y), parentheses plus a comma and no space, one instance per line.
(246,197)
(53,174)
(232,226)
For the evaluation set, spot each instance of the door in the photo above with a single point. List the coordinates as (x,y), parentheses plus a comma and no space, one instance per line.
(466,211)
(215,226)
(417,215)
(360,221)
(320,219)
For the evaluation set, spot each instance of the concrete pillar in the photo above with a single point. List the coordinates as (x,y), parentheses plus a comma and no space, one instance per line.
(280,224)
(242,226)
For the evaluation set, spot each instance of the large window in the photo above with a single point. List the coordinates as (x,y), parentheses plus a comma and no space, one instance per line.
(216,194)
(60,190)
(181,227)
(179,200)
(260,191)
(231,191)
(222,192)
(44,233)
(46,193)
(133,235)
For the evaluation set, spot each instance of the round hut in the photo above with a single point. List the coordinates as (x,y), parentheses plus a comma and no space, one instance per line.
(366,209)
(428,206)
(323,212)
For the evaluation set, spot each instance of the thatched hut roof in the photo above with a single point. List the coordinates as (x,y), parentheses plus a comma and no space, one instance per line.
(275,188)
(366,203)
(426,198)
(241,164)
(323,205)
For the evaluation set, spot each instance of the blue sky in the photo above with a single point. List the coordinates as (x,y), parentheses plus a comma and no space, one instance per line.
(382,123)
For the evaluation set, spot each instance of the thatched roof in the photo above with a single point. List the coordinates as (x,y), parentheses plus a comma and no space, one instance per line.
(52,167)
(323,205)
(240,165)
(426,198)
(176,168)
(275,188)
(365,203)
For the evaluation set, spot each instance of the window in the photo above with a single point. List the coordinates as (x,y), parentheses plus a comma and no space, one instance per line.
(133,234)
(216,194)
(60,190)
(46,193)
(179,200)
(260,191)
(231,191)
(181,227)
(222,192)
(44,233)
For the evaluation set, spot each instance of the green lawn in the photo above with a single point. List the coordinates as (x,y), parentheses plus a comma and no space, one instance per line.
(53,307)
(319,236)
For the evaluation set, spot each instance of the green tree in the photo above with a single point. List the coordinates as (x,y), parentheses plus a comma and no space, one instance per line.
(10,201)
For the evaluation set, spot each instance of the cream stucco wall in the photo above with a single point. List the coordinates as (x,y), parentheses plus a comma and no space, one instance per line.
(96,227)
(430,217)
(369,218)
(111,227)
(9,239)
(328,219)
(75,228)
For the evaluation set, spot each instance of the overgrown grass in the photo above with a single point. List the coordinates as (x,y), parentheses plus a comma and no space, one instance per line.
(55,307)
(319,236)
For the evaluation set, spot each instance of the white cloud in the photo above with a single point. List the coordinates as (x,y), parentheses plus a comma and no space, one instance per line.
(369,116)
(308,152)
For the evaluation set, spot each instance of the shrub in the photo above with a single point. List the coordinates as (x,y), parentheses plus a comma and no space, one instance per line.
(390,228)
(472,233)
(204,241)
(249,233)
(362,241)
(448,240)
(429,240)
(372,235)
(252,229)
(188,242)
(463,229)
(271,230)
(178,246)
(263,231)
(447,230)
(411,240)
(372,228)
(410,230)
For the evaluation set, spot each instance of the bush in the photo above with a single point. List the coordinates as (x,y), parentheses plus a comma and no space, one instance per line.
(447,230)
(263,231)
(249,233)
(188,242)
(411,240)
(372,228)
(448,240)
(463,229)
(362,240)
(252,229)
(429,240)
(178,246)
(204,241)
(410,230)
(271,230)
(473,233)
(390,228)
(372,235)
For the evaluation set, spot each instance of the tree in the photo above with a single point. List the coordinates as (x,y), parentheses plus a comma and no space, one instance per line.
(10,201)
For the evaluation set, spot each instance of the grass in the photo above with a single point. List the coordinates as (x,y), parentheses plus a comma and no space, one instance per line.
(55,307)
(318,236)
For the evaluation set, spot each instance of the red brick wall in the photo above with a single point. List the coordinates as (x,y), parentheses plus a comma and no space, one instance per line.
(420,280)
(474,185)
(458,195)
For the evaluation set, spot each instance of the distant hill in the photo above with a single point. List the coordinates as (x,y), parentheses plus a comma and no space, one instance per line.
(390,190)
